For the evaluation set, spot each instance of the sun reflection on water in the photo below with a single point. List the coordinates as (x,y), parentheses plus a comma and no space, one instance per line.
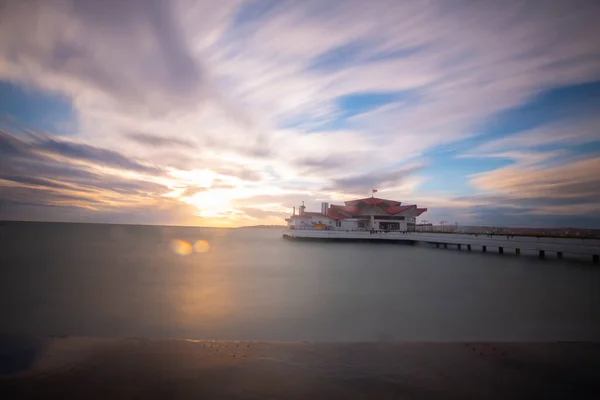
(185,248)
(201,246)
(181,247)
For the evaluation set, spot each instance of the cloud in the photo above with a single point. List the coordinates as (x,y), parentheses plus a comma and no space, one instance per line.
(110,46)
(41,145)
(584,130)
(253,93)
(190,191)
(31,174)
(572,188)
(93,154)
(31,180)
(375,179)
(240,173)
(158,141)
(164,212)
(262,214)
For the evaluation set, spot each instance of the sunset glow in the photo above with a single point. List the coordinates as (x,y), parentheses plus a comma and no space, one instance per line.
(231,113)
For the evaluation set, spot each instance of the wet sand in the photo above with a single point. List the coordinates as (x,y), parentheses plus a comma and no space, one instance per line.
(90,368)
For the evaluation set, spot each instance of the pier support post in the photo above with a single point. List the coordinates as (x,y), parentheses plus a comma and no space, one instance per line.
(559,255)
(518,251)
(459,246)
(542,254)
(445,245)
(469,247)
(483,249)
(501,250)
(596,258)
(437,245)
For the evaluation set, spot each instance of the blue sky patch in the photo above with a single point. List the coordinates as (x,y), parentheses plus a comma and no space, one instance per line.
(552,106)
(358,103)
(446,173)
(37,110)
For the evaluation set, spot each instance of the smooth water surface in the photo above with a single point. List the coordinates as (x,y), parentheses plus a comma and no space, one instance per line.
(250,284)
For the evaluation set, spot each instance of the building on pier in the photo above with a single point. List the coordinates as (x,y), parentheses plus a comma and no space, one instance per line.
(368,214)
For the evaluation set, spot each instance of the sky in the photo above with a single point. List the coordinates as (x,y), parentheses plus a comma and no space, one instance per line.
(230,113)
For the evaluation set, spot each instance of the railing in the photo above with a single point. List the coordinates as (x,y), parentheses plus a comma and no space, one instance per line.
(541,244)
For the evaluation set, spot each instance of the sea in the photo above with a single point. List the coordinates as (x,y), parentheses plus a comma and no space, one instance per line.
(101,280)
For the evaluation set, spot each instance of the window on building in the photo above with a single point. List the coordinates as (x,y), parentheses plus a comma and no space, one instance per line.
(389,226)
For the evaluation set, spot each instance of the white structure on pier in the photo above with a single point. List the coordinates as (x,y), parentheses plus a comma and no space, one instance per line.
(368,214)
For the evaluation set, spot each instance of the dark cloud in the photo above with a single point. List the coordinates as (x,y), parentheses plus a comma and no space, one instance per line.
(310,165)
(164,212)
(363,182)
(41,196)
(158,141)
(581,194)
(566,189)
(30,180)
(10,146)
(490,215)
(13,147)
(43,181)
(324,162)
(94,154)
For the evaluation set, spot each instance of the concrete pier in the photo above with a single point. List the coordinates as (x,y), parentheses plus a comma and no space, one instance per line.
(562,246)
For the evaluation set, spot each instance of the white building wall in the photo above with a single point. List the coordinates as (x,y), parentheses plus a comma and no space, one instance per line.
(349,225)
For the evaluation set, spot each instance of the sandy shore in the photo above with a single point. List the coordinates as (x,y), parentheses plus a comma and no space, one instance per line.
(141,368)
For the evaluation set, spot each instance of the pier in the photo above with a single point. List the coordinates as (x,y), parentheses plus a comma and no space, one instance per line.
(543,246)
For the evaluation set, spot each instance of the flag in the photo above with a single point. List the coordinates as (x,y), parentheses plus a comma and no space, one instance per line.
(374,190)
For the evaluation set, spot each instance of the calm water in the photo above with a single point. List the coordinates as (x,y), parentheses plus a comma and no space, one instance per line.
(124,281)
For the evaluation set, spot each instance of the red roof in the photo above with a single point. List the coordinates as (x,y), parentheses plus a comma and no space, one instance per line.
(353,208)
(398,209)
(372,201)
(347,209)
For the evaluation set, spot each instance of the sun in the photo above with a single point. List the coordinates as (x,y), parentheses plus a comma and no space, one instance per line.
(215,204)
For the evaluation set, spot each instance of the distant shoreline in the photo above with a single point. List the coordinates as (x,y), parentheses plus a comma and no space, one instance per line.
(10,221)
(567,232)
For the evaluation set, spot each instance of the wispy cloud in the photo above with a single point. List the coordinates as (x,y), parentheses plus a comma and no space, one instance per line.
(384,178)
(253,92)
